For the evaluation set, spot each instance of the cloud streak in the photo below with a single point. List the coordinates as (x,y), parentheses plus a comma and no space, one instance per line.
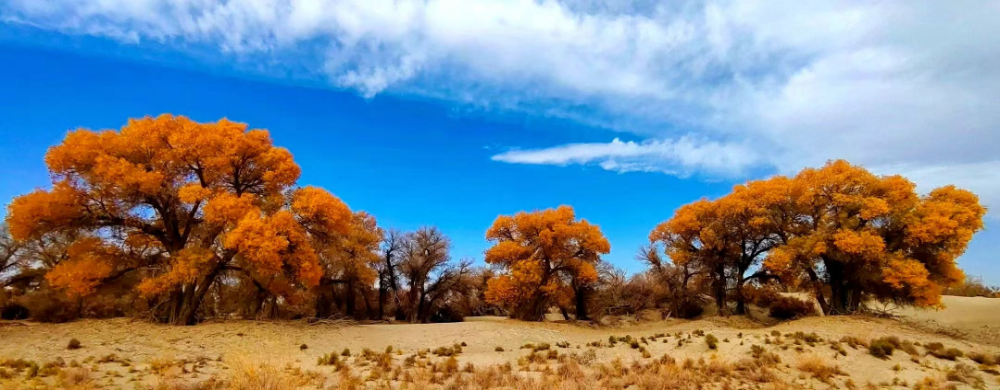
(681,157)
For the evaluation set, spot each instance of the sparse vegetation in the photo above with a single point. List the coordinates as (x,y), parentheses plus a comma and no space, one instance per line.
(711,341)
(74,344)
(946,353)
(881,348)
(819,368)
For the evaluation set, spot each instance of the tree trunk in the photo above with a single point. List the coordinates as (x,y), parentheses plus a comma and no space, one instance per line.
(741,307)
(369,313)
(818,288)
(382,290)
(349,300)
(533,310)
(838,288)
(719,288)
(581,304)
(193,297)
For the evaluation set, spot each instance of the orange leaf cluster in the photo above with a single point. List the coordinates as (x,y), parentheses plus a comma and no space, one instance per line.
(544,252)
(839,226)
(190,199)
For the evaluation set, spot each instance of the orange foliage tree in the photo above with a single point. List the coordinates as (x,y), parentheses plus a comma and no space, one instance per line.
(867,236)
(180,203)
(349,261)
(847,233)
(543,255)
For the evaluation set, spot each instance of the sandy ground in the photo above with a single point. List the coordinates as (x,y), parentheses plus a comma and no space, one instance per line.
(969,324)
(974,318)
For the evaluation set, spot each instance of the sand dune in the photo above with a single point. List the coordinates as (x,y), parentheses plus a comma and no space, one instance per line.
(280,343)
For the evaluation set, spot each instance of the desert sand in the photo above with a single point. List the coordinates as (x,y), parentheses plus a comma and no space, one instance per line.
(968,324)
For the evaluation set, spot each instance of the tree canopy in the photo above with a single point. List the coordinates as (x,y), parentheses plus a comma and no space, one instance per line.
(543,255)
(848,234)
(179,202)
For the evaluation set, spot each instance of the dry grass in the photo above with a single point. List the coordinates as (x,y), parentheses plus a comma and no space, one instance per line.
(754,357)
(819,368)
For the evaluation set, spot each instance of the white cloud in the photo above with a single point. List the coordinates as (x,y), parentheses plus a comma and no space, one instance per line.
(681,157)
(716,86)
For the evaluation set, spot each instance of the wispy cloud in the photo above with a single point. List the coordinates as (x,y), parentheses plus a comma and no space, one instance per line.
(910,85)
(681,157)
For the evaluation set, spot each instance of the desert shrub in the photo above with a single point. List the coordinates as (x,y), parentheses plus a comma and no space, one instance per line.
(839,348)
(881,348)
(983,359)
(542,347)
(763,296)
(498,349)
(786,308)
(973,286)
(933,346)
(946,354)
(330,359)
(247,376)
(712,341)
(345,352)
(564,344)
(819,368)
(50,306)
(14,311)
(74,344)
(965,374)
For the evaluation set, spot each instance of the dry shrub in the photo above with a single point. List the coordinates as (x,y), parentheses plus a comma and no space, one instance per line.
(881,348)
(786,308)
(853,342)
(973,286)
(248,376)
(763,296)
(946,354)
(570,371)
(712,341)
(76,378)
(819,368)
(983,359)
(965,374)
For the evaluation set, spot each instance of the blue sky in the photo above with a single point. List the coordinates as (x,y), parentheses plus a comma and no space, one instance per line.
(411,162)
(448,112)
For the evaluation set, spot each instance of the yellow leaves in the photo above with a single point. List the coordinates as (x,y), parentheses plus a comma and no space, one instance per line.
(947,216)
(507,253)
(318,209)
(541,251)
(910,277)
(124,178)
(88,263)
(193,192)
(185,266)
(866,243)
(32,215)
(263,240)
(356,252)
(501,290)
(839,216)
(227,208)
